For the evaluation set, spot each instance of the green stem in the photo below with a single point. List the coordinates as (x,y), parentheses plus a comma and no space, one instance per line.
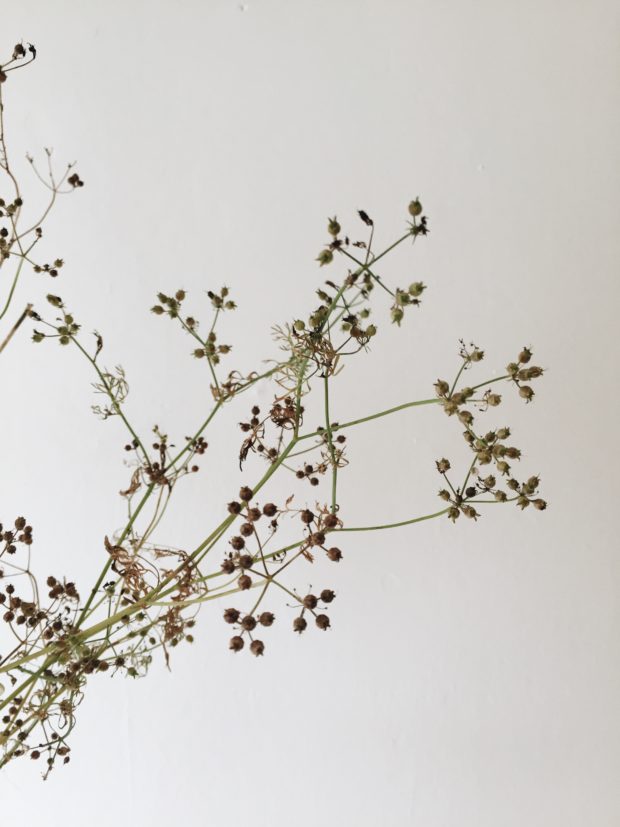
(115,404)
(369,271)
(387,412)
(12,290)
(395,525)
(23,316)
(204,346)
(330,443)
(490,382)
(108,563)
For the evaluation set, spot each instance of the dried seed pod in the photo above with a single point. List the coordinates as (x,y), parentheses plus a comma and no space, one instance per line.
(310,601)
(333,227)
(415,208)
(257,647)
(228,566)
(325,257)
(231,615)
(244,582)
(236,643)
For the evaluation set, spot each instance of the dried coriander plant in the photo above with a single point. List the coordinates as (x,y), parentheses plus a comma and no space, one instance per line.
(146,595)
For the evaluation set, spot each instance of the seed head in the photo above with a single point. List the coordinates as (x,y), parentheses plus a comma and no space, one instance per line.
(231,615)
(257,647)
(325,257)
(333,227)
(416,289)
(244,582)
(415,208)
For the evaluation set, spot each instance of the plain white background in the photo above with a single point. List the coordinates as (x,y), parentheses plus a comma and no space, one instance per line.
(472,674)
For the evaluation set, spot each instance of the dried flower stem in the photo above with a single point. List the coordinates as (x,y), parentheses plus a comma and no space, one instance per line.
(147,593)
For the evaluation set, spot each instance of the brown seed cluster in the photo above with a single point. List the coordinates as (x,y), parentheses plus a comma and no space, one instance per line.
(316,529)
(253,568)
(310,604)
(247,625)
(255,441)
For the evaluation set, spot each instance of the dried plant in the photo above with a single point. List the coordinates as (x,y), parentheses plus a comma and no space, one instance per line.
(146,596)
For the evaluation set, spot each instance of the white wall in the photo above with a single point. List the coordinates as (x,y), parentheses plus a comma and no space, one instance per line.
(472,674)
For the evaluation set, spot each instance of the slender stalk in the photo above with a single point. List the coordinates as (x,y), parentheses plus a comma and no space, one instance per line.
(117,407)
(368,270)
(330,443)
(7,304)
(394,525)
(342,425)
(23,316)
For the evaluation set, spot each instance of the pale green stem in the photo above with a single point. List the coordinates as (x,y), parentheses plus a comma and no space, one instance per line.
(395,525)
